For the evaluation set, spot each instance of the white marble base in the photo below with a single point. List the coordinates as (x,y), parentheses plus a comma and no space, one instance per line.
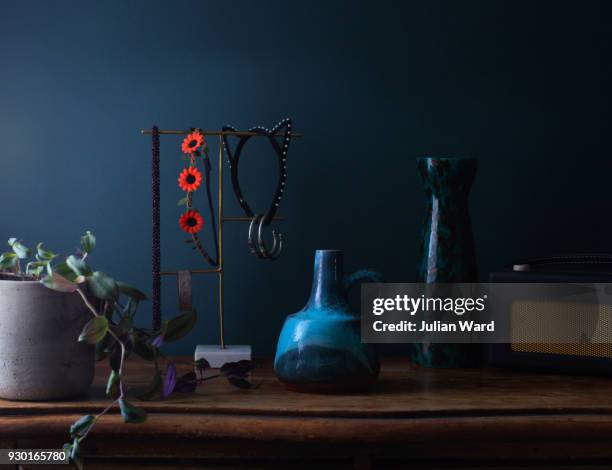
(216,356)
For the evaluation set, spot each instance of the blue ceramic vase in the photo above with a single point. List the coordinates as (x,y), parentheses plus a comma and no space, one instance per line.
(319,348)
(446,252)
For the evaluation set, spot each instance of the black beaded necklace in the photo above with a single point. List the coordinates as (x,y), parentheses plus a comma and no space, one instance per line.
(257,245)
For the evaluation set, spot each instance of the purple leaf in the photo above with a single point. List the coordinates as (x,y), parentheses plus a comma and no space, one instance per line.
(170,381)
(202,364)
(239,381)
(158,341)
(187,383)
(237,368)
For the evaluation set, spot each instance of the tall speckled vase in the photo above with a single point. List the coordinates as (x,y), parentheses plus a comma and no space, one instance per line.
(446,251)
(319,349)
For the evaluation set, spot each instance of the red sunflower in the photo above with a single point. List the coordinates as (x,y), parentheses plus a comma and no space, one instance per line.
(192,142)
(191,222)
(190,179)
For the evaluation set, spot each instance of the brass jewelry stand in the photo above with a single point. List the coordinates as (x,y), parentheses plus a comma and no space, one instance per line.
(221,218)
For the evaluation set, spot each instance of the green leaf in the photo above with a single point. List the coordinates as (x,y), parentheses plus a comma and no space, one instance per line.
(63,270)
(154,389)
(182,201)
(81,425)
(102,286)
(59,283)
(112,386)
(36,272)
(44,255)
(75,453)
(88,242)
(8,260)
(78,266)
(131,291)
(126,323)
(177,327)
(131,413)
(144,350)
(67,447)
(94,330)
(20,250)
(36,264)
(35,268)
(131,308)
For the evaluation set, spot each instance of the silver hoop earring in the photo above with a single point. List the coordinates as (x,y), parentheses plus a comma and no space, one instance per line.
(253,244)
(277,243)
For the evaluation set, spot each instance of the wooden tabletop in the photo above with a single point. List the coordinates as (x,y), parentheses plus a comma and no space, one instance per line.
(415,414)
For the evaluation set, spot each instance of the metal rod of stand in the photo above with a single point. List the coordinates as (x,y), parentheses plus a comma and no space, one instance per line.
(220,229)
(219,133)
(219,270)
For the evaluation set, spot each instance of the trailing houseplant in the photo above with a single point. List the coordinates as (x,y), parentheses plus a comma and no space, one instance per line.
(112,306)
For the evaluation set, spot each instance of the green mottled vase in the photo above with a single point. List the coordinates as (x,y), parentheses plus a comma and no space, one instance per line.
(446,251)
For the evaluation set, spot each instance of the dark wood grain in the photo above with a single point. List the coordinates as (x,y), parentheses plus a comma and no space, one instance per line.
(494,417)
(402,391)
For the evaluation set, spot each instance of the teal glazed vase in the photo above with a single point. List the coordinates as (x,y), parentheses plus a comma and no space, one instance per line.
(446,252)
(319,349)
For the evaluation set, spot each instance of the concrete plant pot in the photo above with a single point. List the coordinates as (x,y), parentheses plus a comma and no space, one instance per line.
(40,356)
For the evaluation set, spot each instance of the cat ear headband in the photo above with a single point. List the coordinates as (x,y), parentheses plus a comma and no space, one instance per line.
(258,221)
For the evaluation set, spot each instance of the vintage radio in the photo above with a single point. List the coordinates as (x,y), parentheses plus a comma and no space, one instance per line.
(580,357)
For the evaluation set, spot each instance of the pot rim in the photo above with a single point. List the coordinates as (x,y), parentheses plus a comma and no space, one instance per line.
(13,278)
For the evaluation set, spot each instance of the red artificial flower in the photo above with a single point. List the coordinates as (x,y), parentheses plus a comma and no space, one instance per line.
(190,179)
(191,222)
(192,142)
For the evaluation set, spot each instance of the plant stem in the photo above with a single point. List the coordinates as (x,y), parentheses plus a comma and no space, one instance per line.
(87,303)
(121,361)
(204,379)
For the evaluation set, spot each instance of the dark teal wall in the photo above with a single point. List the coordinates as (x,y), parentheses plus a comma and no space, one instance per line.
(523,86)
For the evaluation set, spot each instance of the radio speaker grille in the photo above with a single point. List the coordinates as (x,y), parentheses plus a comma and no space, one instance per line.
(580,329)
